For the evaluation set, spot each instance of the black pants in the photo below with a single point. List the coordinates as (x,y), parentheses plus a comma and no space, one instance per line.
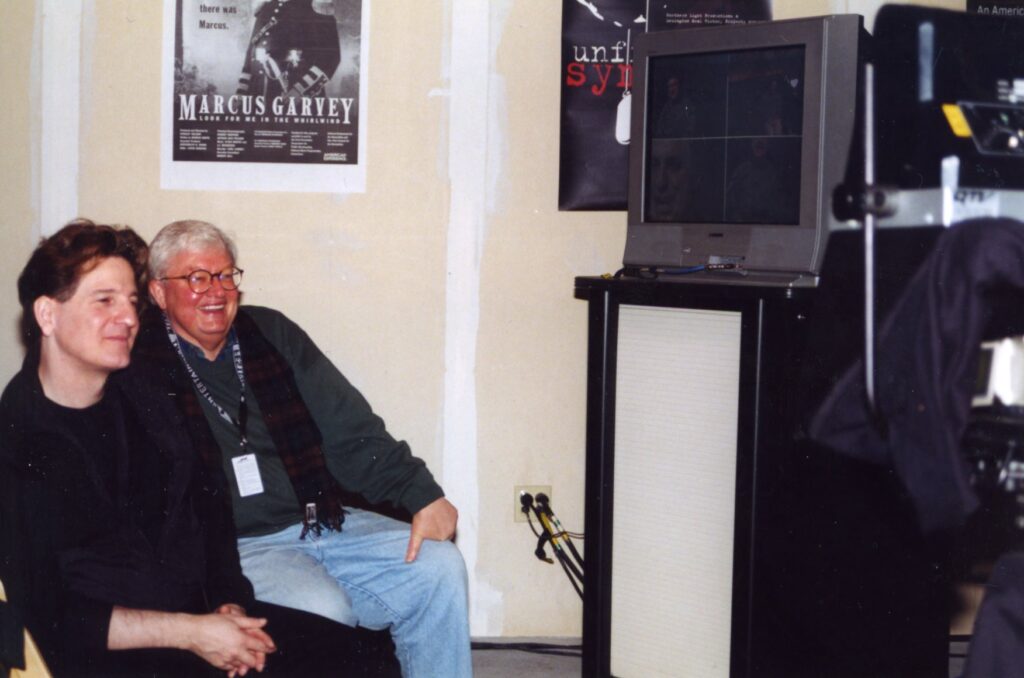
(308,645)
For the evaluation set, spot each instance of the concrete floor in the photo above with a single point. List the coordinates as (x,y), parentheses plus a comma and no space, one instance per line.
(509,663)
(518,664)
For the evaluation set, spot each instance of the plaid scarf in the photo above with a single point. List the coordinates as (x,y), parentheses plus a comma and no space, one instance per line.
(291,426)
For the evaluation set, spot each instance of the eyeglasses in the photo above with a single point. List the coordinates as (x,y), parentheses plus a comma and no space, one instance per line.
(201,281)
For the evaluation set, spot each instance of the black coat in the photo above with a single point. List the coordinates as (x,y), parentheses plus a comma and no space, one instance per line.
(293,51)
(927,364)
(73,549)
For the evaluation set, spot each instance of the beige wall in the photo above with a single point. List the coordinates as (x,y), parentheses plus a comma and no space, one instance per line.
(367,275)
(532,349)
(19,151)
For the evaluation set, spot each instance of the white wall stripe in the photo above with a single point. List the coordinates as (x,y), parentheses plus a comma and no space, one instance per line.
(469,67)
(60,96)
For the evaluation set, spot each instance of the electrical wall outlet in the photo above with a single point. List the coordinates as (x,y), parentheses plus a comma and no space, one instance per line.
(534,490)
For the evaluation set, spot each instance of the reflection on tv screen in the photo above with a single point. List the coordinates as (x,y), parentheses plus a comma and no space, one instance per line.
(724,137)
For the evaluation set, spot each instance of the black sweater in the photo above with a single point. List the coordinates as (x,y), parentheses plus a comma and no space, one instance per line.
(74,545)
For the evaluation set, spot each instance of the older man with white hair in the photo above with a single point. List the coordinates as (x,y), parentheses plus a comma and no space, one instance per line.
(294,438)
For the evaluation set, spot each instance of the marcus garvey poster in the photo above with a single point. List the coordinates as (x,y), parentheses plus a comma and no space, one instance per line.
(264,95)
(597,38)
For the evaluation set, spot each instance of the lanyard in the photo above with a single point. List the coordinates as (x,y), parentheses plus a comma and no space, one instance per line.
(236,358)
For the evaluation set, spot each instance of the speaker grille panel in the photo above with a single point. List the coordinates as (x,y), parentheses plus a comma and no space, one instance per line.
(676,409)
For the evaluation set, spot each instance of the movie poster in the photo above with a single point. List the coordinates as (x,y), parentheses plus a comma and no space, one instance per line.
(264,95)
(597,40)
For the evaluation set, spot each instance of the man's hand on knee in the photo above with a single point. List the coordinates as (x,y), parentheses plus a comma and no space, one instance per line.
(435,521)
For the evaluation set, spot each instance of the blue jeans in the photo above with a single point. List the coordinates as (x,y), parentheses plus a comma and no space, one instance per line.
(359,576)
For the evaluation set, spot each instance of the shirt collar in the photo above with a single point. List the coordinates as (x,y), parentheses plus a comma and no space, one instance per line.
(193,352)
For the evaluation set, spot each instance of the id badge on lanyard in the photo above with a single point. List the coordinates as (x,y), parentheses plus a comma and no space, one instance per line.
(247,474)
(245,466)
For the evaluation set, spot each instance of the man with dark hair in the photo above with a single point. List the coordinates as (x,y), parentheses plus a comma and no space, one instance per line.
(294,438)
(116,543)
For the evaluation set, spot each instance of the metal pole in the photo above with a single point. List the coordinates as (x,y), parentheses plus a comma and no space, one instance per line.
(869,237)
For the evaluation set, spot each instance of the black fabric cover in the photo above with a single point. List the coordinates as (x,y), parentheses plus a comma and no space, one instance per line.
(926,366)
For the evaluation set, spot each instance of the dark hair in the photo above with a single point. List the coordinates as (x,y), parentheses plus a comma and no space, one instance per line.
(60,261)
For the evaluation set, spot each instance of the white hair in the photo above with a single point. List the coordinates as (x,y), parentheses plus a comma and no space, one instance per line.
(187,235)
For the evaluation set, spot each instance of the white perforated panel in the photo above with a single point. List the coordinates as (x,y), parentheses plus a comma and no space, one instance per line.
(676,408)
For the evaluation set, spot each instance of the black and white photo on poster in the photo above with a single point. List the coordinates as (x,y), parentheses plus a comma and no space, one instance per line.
(264,95)
(597,39)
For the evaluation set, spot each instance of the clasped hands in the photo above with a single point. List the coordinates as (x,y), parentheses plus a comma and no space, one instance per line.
(231,640)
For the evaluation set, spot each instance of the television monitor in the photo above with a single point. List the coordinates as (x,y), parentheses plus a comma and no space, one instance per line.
(740,133)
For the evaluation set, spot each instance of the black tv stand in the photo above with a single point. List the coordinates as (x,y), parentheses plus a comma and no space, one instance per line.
(827,572)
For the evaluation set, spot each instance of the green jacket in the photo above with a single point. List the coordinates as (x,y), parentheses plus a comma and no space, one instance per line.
(360,453)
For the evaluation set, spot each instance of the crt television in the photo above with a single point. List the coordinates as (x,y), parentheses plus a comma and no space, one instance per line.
(740,134)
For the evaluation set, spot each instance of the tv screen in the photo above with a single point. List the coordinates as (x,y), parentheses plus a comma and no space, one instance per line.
(725,147)
(740,133)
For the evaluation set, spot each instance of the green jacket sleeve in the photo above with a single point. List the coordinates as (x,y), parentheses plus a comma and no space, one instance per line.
(360,453)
